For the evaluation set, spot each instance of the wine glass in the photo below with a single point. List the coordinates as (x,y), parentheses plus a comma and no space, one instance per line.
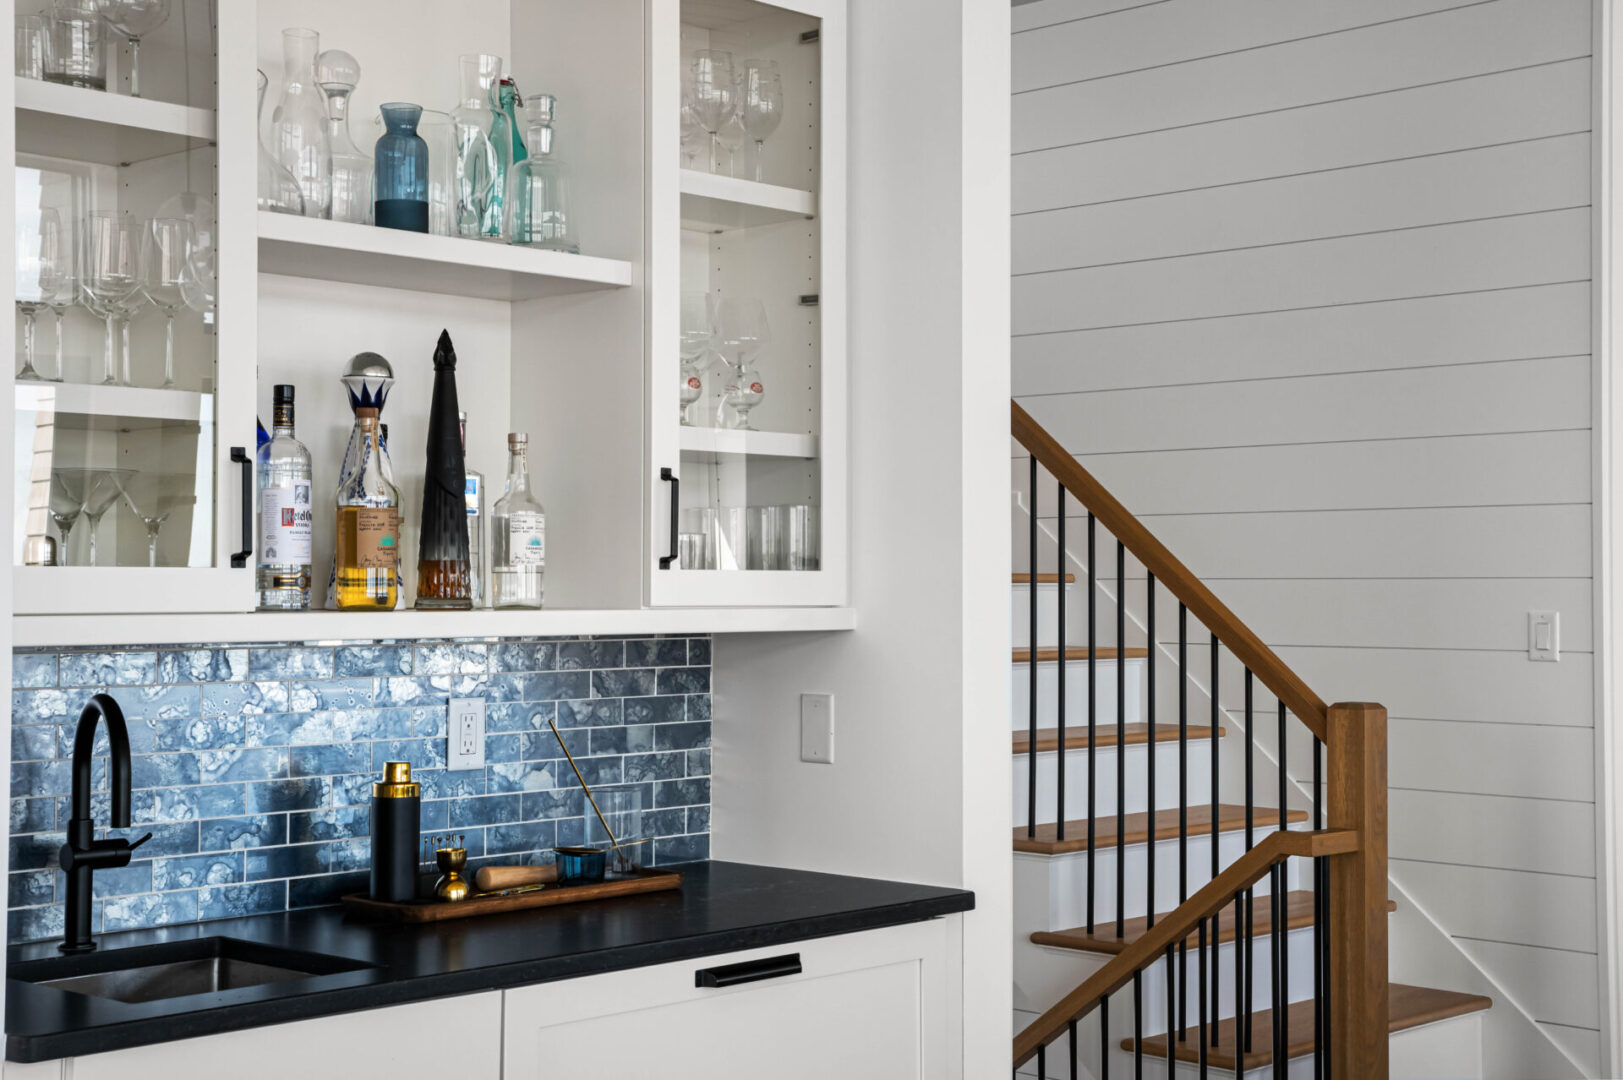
(126,310)
(135,19)
(105,487)
(741,332)
(712,93)
(63,295)
(732,138)
(67,503)
(761,107)
(698,331)
(147,501)
(41,255)
(111,273)
(163,279)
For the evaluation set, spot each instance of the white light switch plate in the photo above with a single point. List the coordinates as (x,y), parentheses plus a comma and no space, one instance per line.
(817,728)
(1544,635)
(465,733)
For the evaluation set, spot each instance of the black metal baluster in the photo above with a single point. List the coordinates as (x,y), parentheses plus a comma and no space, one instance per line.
(1200,1007)
(1031,664)
(1121,744)
(1104,1038)
(1042,1062)
(1172,1009)
(1320,1066)
(1217,956)
(1246,933)
(1282,907)
(1149,706)
(1138,1026)
(1093,708)
(1277,944)
(1240,962)
(1072,1031)
(1183,812)
(1059,756)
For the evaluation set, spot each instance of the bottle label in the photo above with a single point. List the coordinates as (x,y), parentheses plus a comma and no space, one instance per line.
(472,496)
(285,525)
(377,538)
(526,538)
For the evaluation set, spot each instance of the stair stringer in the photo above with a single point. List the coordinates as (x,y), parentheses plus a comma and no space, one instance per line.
(1420,950)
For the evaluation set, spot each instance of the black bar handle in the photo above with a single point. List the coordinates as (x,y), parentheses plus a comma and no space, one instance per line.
(665,561)
(773,967)
(239,560)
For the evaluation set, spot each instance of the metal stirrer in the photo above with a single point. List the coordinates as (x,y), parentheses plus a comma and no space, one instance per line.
(583,786)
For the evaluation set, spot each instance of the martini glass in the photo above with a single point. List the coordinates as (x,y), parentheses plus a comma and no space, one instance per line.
(135,19)
(146,499)
(106,486)
(67,503)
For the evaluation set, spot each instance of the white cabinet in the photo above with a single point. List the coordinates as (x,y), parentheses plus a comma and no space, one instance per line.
(860,1005)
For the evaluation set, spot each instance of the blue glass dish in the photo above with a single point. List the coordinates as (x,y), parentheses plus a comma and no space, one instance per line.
(579,866)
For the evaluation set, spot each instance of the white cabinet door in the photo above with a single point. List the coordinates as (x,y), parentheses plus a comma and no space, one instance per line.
(427,1040)
(862,1005)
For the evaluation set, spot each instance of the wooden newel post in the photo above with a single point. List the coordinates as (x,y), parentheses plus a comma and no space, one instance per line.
(1358,980)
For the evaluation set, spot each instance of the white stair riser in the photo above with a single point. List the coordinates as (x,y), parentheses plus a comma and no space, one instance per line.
(1137,767)
(1050,891)
(1044,974)
(1076,695)
(1047,613)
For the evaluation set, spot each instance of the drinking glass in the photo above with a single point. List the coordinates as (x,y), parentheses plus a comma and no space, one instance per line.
(105,487)
(761,107)
(125,311)
(68,489)
(30,46)
(695,541)
(622,811)
(145,497)
(729,551)
(732,138)
(64,294)
(135,19)
(698,331)
(741,331)
(163,279)
(197,286)
(800,538)
(41,258)
(111,273)
(75,44)
(765,551)
(713,94)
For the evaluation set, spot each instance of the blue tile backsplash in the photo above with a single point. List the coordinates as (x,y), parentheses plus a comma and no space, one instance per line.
(253,765)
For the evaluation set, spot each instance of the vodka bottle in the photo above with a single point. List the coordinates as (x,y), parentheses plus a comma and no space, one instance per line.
(476,521)
(286,514)
(518,527)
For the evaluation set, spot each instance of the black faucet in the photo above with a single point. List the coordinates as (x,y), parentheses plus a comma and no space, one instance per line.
(83,854)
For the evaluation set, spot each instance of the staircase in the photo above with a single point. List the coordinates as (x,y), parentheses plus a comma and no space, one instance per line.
(1177,885)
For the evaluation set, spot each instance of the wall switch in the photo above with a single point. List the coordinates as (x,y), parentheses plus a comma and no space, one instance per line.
(1544,635)
(466,734)
(817,728)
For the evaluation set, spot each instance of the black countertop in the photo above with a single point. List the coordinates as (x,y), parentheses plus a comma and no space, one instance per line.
(721,907)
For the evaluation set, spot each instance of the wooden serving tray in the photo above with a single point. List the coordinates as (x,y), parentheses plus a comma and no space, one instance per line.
(425,911)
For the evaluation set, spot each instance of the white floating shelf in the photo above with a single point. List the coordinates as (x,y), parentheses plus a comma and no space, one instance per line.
(365,255)
(126,402)
(703,440)
(107,129)
(712,203)
(334,626)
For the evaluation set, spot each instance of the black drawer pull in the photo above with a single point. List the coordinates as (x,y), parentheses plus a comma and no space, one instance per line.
(239,454)
(667,561)
(773,967)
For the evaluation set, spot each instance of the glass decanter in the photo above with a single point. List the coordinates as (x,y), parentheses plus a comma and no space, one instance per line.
(539,186)
(338,73)
(402,157)
(299,124)
(278,188)
(478,122)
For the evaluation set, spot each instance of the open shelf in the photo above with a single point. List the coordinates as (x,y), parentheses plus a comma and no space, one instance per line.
(104,128)
(132,402)
(712,203)
(365,255)
(704,440)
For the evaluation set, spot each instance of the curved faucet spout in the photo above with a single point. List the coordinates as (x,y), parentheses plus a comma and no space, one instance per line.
(102,706)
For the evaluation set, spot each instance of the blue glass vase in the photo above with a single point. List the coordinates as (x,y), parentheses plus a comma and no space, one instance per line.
(402,170)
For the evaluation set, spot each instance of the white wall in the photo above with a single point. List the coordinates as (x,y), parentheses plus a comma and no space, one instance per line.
(918,790)
(1306,284)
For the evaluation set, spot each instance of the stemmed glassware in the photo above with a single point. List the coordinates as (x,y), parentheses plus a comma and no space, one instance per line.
(68,489)
(761,105)
(41,258)
(698,332)
(135,19)
(105,487)
(163,279)
(64,294)
(149,502)
(112,273)
(712,94)
(732,138)
(741,332)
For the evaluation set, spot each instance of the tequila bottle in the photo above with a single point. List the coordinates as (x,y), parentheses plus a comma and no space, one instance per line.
(286,514)
(368,548)
(476,520)
(518,527)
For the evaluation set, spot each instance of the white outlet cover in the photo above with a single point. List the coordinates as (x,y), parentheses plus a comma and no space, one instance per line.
(817,728)
(465,734)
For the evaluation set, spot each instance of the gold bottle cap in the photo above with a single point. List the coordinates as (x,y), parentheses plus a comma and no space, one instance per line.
(396,782)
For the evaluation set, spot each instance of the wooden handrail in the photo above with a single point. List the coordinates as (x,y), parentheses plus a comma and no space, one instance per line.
(1173,574)
(1177,926)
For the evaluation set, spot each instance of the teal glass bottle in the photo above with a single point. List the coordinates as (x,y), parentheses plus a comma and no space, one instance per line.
(402,170)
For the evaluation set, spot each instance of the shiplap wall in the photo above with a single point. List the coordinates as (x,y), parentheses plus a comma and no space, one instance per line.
(1306,284)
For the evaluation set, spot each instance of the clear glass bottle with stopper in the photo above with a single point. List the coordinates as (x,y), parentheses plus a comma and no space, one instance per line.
(338,73)
(538,187)
(518,527)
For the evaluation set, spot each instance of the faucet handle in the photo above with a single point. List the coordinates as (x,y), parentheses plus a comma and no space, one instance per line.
(141,841)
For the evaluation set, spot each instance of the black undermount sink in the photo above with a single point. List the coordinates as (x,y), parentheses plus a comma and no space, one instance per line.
(178,969)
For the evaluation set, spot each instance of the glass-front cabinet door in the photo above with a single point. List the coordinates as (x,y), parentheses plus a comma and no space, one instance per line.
(125,495)
(747,484)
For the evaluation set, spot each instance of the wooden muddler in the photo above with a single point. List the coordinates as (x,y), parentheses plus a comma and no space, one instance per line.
(492,878)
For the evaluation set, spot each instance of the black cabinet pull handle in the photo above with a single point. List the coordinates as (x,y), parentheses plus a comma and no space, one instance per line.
(665,561)
(773,967)
(239,560)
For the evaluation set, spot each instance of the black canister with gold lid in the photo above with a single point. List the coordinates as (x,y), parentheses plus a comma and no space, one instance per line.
(396,821)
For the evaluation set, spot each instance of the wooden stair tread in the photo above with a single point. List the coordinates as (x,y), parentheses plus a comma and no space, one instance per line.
(1043,579)
(1230,817)
(1408,1006)
(1298,913)
(1076,736)
(1076,652)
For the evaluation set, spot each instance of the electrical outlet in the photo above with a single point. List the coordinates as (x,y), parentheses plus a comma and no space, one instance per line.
(817,728)
(465,733)
(1544,635)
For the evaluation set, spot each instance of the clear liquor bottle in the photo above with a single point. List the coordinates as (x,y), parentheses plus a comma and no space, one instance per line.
(286,514)
(476,521)
(518,527)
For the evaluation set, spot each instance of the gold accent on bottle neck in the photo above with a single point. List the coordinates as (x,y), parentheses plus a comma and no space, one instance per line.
(396,782)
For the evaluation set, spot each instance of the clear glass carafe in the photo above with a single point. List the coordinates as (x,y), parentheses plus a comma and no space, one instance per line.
(339,74)
(538,188)
(278,188)
(480,151)
(299,124)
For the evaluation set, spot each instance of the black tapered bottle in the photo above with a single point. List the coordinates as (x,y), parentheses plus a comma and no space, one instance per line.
(443,575)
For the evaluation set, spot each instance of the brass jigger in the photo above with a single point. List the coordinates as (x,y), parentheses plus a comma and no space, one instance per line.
(451,886)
